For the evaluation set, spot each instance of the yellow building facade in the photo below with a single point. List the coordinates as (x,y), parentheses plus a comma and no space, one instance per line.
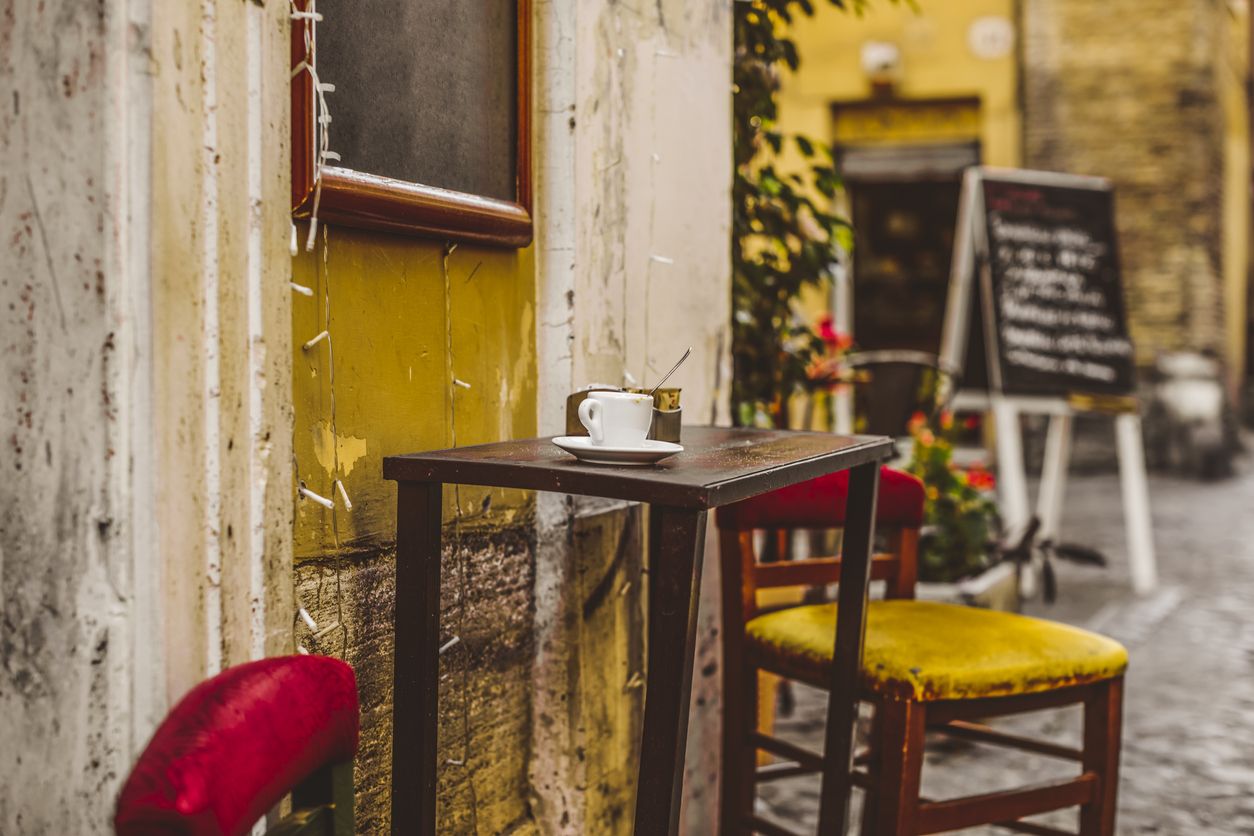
(936,64)
(1151,96)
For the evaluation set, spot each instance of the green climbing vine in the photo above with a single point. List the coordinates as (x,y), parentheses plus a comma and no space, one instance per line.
(784,235)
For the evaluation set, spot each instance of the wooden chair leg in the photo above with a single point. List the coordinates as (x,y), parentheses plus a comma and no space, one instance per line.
(902,727)
(740,685)
(870,797)
(1103,727)
(740,717)
(765,706)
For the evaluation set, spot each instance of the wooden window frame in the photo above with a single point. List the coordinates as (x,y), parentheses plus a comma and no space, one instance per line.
(370,201)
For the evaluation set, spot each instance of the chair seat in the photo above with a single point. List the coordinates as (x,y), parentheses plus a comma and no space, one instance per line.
(928,651)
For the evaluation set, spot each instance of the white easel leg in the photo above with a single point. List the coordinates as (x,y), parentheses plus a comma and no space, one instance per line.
(1011,477)
(842,407)
(1136,505)
(1054,475)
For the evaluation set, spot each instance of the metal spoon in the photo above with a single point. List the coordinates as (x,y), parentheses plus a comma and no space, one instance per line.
(674,368)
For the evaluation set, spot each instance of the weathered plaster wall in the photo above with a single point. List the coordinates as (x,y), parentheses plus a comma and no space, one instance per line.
(651,114)
(220,331)
(633,210)
(144,504)
(64,643)
(540,712)
(405,320)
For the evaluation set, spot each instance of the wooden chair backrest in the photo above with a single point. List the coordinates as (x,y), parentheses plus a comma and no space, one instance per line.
(896,385)
(744,574)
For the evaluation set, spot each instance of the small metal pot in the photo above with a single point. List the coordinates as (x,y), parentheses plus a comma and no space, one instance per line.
(667,414)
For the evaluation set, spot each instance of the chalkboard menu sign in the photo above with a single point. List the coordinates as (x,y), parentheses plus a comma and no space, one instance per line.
(1051,296)
(1035,272)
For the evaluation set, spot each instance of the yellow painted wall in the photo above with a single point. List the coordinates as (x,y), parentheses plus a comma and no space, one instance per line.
(391,302)
(404,322)
(938,62)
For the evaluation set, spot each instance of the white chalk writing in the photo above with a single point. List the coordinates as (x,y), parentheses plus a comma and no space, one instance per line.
(1055,309)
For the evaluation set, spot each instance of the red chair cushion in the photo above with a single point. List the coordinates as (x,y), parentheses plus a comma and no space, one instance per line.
(237,743)
(820,503)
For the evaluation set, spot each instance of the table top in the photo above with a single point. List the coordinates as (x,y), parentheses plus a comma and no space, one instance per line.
(718,466)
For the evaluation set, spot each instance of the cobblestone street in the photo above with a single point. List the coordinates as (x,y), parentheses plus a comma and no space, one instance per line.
(1188,752)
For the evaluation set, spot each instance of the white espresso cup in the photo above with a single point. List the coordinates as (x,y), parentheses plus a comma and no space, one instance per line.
(617,419)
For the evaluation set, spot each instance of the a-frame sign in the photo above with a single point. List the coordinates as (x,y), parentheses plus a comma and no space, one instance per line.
(1035,287)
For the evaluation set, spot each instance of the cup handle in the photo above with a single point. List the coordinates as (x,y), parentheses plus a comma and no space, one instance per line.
(590,417)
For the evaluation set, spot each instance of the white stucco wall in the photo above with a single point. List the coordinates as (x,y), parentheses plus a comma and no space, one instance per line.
(68,656)
(145,497)
(633,262)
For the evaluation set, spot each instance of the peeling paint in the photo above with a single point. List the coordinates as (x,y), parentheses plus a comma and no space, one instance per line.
(327,445)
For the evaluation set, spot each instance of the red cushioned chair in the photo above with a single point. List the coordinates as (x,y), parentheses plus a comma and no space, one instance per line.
(926,667)
(237,743)
(820,504)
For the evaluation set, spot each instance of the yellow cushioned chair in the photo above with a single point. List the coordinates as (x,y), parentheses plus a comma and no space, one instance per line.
(926,666)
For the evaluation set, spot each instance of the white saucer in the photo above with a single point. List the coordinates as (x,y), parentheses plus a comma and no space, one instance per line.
(582,448)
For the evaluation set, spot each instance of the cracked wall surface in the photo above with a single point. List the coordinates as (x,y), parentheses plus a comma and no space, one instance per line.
(147,521)
(541,696)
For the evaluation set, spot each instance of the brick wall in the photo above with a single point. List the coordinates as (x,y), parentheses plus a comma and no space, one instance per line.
(1127,89)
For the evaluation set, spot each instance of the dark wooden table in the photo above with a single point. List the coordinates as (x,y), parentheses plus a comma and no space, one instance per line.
(717,467)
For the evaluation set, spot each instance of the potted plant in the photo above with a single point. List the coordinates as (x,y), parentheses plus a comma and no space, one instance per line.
(958,555)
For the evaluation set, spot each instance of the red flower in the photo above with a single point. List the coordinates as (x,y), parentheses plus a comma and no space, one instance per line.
(981,479)
(972,422)
(917,422)
(835,340)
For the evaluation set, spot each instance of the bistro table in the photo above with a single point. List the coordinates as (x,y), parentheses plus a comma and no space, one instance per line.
(718,467)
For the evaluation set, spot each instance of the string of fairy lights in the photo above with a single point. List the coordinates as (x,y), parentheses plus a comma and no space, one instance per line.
(314,633)
(307,19)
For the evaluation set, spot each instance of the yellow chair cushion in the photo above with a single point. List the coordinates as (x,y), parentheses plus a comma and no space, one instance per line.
(928,651)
